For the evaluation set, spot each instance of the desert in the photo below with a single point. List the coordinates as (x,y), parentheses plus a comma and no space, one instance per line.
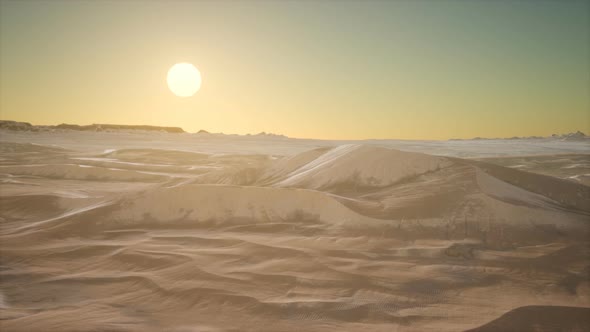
(142,231)
(287,166)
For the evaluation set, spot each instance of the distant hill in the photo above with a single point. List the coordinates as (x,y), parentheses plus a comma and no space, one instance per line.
(14,125)
(265,134)
(577,136)
(25,126)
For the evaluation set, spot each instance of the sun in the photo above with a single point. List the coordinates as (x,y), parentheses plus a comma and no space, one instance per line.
(184,79)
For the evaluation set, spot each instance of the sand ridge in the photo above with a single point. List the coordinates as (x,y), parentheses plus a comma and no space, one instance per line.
(355,238)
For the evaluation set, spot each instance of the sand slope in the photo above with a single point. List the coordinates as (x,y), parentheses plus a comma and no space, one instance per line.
(540,318)
(359,165)
(348,238)
(221,204)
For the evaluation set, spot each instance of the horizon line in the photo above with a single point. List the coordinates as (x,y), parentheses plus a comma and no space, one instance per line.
(286,136)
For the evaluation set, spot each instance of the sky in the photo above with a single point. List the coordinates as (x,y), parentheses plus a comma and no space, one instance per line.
(420,69)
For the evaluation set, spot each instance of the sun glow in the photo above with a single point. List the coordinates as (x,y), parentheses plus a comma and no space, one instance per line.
(184,79)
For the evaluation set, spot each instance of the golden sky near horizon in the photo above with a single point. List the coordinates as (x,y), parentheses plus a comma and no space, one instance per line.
(324,69)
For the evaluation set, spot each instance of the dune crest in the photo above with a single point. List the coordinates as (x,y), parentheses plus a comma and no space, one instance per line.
(361,165)
(223,203)
(353,238)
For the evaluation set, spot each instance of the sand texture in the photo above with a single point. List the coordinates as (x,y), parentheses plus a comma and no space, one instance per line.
(312,237)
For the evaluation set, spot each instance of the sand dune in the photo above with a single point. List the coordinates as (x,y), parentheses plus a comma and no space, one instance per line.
(350,238)
(568,193)
(219,204)
(78,172)
(156,156)
(360,165)
(573,167)
(542,319)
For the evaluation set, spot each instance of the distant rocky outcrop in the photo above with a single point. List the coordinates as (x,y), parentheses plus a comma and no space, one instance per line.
(14,125)
(113,127)
(265,134)
(25,126)
(577,136)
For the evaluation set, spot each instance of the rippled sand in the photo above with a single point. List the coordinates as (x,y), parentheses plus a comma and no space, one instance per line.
(345,238)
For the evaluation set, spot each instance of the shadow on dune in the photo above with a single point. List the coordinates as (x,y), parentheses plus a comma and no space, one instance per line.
(540,319)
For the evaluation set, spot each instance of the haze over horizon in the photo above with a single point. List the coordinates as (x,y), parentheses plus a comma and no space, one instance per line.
(405,70)
(367,166)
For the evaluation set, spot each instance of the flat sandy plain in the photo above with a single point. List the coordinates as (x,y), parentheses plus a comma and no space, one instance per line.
(184,232)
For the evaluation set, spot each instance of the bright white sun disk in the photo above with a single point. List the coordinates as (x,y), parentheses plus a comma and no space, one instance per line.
(184,79)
